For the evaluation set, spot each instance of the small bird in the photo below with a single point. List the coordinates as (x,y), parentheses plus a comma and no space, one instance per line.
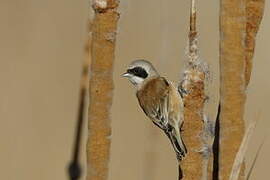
(160,101)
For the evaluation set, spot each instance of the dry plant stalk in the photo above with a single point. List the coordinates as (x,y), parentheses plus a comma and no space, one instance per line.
(103,30)
(242,151)
(239,23)
(255,160)
(232,83)
(194,166)
(254,13)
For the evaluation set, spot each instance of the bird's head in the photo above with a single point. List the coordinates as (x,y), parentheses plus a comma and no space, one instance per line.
(139,70)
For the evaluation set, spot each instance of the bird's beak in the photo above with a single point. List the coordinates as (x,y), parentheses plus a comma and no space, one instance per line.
(125,74)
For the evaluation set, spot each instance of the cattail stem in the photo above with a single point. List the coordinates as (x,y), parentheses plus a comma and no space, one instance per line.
(103,31)
(232,83)
(194,166)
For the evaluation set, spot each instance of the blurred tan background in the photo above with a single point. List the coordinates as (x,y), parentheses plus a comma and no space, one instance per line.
(41,51)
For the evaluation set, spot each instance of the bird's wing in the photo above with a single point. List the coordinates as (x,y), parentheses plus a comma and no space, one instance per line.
(162,104)
(154,100)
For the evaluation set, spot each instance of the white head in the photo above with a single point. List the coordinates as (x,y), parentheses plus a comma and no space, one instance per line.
(139,70)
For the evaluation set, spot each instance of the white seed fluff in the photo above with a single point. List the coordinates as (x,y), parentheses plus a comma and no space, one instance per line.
(102,4)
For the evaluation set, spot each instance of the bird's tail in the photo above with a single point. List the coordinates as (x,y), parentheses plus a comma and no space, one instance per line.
(177,142)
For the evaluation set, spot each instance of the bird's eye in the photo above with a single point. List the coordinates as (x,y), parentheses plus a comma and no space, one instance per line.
(129,71)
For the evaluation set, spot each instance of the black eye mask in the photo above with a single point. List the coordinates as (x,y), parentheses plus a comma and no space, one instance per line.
(138,71)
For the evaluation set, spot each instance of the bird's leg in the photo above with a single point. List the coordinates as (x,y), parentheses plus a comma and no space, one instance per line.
(182,90)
